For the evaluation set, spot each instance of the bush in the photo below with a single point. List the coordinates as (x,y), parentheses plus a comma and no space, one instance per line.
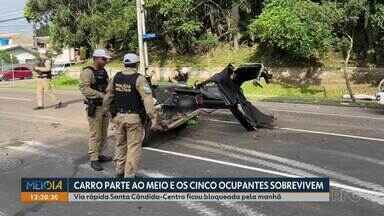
(5,57)
(207,42)
(65,80)
(297,27)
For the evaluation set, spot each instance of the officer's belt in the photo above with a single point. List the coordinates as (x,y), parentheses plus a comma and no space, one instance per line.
(96,102)
(122,111)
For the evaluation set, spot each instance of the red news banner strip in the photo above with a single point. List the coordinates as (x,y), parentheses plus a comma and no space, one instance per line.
(31,197)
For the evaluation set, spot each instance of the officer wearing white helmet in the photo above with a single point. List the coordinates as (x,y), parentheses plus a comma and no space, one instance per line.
(93,85)
(129,100)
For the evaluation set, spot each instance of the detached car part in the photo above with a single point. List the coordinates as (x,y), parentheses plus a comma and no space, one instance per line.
(178,103)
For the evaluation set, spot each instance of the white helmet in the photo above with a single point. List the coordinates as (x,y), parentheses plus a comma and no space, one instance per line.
(101,53)
(131,58)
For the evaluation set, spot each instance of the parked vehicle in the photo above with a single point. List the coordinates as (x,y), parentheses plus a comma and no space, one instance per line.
(59,68)
(21,72)
(380,93)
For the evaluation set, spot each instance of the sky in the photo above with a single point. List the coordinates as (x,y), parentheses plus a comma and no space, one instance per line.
(13,9)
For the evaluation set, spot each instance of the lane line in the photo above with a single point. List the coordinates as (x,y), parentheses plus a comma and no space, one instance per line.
(16,99)
(285,165)
(39,148)
(309,131)
(351,155)
(333,134)
(328,114)
(265,163)
(200,208)
(226,163)
(241,209)
(311,113)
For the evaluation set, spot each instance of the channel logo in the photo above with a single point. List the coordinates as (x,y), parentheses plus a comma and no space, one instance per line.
(43,185)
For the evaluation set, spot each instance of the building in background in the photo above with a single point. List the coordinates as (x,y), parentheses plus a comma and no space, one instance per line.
(19,46)
(22,54)
(22,48)
(66,55)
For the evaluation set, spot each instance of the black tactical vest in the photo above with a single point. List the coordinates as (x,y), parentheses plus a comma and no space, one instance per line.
(126,97)
(101,79)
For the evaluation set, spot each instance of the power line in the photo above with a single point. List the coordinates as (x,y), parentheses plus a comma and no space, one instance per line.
(11,12)
(8,13)
(11,19)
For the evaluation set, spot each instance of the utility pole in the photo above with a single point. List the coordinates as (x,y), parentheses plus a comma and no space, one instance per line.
(34,36)
(13,72)
(140,22)
(143,14)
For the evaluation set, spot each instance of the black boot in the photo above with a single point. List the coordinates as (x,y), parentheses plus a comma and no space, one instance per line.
(103,158)
(96,166)
(38,108)
(59,105)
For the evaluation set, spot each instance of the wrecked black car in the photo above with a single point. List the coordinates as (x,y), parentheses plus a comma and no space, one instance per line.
(177,103)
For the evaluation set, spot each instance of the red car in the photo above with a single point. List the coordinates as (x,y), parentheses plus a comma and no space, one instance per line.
(17,73)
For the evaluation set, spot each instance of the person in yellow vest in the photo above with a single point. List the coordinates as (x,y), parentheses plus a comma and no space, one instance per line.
(43,82)
(129,98)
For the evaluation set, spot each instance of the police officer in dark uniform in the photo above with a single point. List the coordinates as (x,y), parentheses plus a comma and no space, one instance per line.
(93,84)
(129,99)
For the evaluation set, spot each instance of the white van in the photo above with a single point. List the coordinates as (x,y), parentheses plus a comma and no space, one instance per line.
(380,93)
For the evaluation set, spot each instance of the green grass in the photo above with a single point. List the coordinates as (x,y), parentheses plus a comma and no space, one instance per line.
(290,91)
(65,81)
(218,57)
(62,82)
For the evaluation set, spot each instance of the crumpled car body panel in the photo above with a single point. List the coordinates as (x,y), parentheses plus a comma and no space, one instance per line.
(179,102)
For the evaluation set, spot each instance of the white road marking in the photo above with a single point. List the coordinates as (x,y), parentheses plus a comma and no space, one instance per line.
(350,155)
(335,184)
(241,209)
(223,150)
(310,131)
(42,149)
(314,113)
(333,134)
(265,163)
(328,114)
(16,99)
(200,208)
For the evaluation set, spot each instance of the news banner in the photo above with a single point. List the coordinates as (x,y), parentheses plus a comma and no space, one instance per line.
(174,189)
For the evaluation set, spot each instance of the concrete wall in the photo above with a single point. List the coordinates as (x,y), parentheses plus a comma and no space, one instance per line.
(290,75)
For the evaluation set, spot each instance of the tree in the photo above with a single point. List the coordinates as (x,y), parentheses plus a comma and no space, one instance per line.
(176,21)
(5,57)
(85,23)
(297,27)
